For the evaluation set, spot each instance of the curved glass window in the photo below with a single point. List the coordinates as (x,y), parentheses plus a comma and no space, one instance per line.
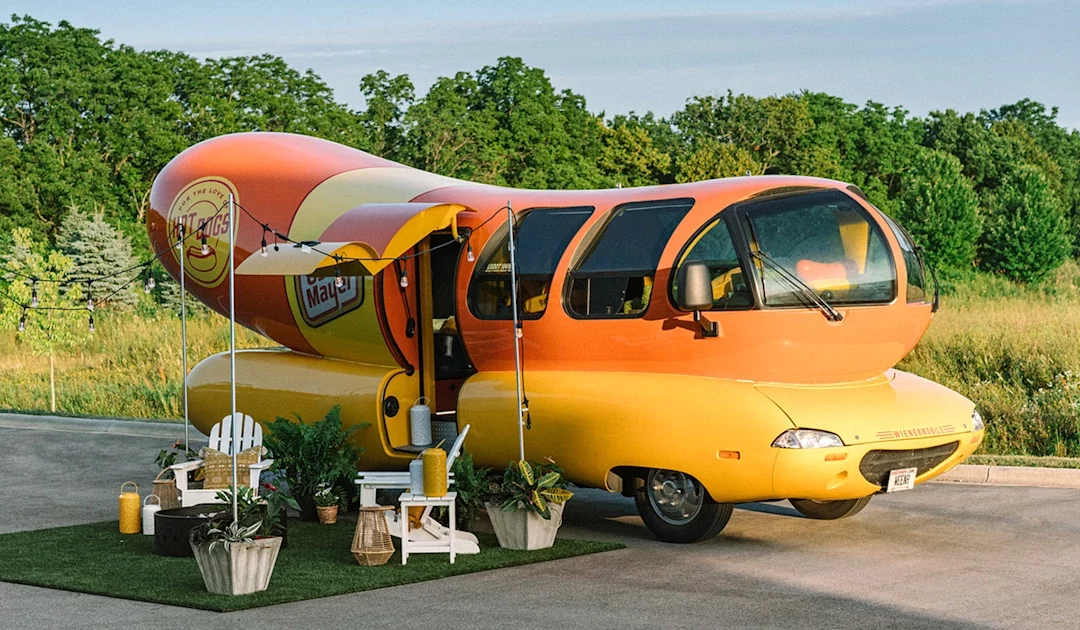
(541,238)
(828,241)
(916,274)
(614,277)
(713,246)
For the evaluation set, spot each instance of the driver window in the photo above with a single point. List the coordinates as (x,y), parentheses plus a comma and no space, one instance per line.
(713,246)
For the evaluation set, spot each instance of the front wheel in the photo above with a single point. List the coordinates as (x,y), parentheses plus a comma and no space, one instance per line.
(676,508)
(829,510)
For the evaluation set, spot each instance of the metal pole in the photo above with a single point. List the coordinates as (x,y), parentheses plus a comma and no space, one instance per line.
(183,336)
(232,345)
(517,334)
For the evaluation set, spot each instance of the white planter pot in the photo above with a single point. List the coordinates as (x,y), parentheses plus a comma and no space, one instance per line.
(525,530)
(238,568)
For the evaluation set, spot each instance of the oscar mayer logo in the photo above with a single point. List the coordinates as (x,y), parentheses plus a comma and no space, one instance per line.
(321,301)
(200,204)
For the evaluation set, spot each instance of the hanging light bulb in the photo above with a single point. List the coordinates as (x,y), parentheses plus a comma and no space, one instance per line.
(404,278)
(468,253)
(150,282)
(276,248)
(179,235)
(339,282)
(89,298)
(262,250)
(22,321)
(91,322)
(205,247)
(33,294)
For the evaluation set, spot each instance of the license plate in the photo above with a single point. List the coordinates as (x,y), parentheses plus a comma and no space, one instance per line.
(901,479)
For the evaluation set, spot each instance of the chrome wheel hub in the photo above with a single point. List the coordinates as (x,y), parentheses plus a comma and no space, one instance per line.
(674,496)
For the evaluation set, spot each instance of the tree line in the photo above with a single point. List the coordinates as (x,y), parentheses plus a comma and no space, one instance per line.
(87,124)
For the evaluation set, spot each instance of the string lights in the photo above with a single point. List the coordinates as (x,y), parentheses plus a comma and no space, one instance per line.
(150,282)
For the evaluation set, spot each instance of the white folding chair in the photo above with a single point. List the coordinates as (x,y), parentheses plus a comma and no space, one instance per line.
(430,529)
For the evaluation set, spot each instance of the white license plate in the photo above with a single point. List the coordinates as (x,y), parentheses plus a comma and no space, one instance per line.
(901,479)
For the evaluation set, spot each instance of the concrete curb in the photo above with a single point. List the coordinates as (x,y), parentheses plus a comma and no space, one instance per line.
(134,428)
(1014,476)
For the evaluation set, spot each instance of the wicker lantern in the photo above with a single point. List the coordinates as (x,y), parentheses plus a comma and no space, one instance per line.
(372,544)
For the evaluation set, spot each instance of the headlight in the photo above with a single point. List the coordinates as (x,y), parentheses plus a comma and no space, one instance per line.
(976,421)
(807,438)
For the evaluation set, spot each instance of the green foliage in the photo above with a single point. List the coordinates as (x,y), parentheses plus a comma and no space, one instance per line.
(940,210)
(166,457)
(1027,234)
(473,486)
(46,333)
(98,249)
(312,454)
(531,486)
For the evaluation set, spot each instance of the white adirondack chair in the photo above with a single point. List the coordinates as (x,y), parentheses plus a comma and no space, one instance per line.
(221,439)
(430,529)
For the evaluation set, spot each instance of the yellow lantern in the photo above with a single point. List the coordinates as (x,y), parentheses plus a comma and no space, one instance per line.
(130,508)
(434,472)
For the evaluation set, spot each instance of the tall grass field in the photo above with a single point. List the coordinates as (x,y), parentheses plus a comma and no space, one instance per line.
(1015,351)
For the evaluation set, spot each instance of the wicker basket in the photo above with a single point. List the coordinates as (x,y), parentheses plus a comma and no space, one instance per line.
(327,514)
(165,489)
(372,544)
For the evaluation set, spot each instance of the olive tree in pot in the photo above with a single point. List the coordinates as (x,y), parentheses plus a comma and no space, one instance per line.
(526,509)
(308,454)
(237,557)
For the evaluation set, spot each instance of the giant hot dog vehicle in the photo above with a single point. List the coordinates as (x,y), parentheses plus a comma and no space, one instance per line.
(693,346)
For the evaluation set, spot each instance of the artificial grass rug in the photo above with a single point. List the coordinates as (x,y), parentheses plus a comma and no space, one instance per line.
(96,559)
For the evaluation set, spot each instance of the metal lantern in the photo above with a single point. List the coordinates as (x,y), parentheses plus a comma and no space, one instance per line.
(148,512)
(372,544)
(129,509)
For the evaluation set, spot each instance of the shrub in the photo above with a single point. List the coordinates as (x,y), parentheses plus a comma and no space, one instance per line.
(311,454)
(1027,236)
(940,210)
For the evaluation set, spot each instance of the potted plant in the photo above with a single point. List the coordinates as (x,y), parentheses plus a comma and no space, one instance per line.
(237,557)
(308,454)
(473,485)
(327,503)
(165,483)
(526,509)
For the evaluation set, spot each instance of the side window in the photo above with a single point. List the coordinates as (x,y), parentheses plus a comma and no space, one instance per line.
(828,241)
(541,238)
(916,275)
(614,278)
(713,246)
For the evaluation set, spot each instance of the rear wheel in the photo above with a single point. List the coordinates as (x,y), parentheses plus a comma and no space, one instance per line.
(829,510)
(676,508)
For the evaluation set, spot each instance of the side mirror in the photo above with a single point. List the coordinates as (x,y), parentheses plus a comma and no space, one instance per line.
(695,294)
(695,286)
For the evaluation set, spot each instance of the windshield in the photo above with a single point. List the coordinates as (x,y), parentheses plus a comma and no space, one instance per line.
(826,240)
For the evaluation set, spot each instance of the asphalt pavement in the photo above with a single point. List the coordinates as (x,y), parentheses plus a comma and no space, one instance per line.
(941,556)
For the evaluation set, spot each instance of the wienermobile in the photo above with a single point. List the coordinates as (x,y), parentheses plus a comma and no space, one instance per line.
(693,346)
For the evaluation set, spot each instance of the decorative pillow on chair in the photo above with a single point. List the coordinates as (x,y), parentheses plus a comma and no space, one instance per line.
(218,467)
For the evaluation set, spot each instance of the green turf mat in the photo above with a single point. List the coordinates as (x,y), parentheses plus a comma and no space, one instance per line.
(96,559)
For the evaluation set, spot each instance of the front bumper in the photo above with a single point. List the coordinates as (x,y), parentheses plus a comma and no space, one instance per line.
(820,474)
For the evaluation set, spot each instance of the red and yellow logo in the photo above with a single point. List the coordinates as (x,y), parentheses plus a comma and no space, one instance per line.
(202,208)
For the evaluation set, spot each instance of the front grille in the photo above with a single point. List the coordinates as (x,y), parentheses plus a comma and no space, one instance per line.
(875,465)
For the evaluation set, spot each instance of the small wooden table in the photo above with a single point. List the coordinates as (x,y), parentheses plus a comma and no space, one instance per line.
(442,545)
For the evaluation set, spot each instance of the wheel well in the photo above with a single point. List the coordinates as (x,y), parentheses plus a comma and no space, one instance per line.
(626,479)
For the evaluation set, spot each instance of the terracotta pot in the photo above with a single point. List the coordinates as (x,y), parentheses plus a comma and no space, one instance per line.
(525,530)
(237,568)
(327,514)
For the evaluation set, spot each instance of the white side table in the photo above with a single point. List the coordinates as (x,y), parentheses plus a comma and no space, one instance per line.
(441,545)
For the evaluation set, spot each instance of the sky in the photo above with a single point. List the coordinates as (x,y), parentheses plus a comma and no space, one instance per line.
(639,56)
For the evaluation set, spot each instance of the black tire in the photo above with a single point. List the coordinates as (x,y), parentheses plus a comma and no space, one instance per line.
(704,521)
(829,510)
